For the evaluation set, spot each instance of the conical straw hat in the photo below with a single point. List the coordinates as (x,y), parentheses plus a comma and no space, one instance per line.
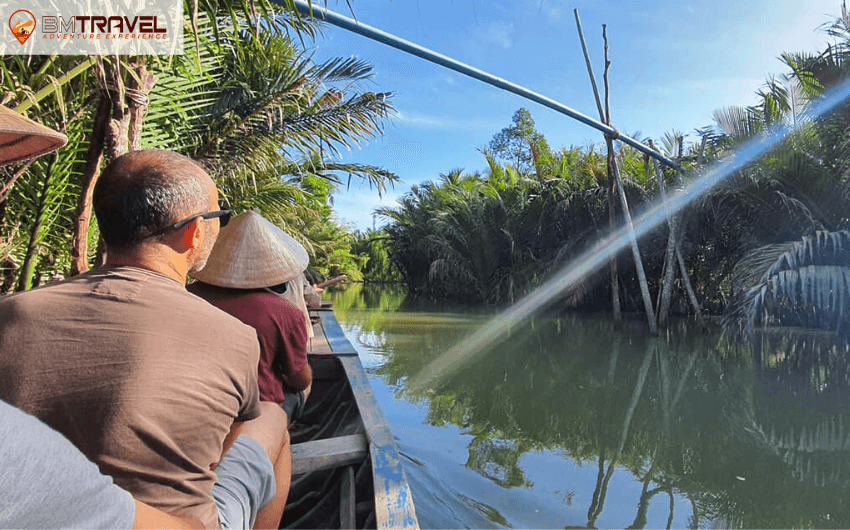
(22,138)
(250,253)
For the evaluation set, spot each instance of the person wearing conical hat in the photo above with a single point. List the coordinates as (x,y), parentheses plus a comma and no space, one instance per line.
(249,265)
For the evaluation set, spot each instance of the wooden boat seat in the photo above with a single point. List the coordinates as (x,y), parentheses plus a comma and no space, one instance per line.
(328,453)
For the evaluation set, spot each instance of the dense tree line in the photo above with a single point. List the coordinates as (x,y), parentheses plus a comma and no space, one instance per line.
(489,238)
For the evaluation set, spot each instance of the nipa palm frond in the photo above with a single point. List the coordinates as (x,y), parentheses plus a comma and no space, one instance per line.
(807,285)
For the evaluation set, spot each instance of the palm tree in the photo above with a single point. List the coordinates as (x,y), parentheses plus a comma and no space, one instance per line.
(800,284)
(213,103)
(798,188)
(37,198)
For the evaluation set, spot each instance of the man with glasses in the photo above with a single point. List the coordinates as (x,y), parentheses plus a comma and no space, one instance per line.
(150,382)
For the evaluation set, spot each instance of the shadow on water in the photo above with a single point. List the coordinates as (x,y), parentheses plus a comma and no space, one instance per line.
(627,430)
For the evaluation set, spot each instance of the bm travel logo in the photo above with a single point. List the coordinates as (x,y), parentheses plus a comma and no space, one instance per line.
(22,24)
(93,27)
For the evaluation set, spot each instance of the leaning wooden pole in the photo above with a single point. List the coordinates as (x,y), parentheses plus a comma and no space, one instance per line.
(612,204)
(94,156)
(670,255)
(675,239)
(614,171)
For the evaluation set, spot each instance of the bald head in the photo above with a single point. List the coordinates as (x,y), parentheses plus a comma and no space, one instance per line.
(142,192)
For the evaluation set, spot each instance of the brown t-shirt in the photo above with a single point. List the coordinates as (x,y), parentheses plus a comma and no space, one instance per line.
(144,377)
(280,328)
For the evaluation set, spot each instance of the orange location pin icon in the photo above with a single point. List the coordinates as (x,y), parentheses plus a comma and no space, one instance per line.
(22,24)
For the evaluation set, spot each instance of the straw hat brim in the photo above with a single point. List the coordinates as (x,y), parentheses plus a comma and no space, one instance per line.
(251,253)
(22,138)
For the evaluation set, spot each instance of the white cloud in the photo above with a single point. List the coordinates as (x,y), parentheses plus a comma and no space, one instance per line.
(356,206)
(553,13)
(443,122)
(497,34)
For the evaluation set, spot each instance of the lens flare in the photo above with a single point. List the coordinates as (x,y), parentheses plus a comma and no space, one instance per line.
(592,260)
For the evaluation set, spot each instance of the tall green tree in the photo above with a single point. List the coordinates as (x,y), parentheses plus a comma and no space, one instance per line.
(520,143)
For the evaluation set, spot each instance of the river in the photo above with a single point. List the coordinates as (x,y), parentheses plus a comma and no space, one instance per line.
(576,421)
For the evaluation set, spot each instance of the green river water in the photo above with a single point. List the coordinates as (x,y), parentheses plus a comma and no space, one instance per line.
(576,421)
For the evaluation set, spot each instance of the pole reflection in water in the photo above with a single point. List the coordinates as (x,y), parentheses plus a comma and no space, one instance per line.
(576,420)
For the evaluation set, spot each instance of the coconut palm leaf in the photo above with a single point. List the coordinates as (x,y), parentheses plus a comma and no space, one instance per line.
(43,206)
(276,104)
(807,285)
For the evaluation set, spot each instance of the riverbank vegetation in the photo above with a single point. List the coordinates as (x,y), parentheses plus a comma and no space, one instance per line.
(246,100)
(488,238)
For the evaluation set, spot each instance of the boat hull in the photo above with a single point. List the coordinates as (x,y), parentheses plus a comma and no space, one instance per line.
(347,471)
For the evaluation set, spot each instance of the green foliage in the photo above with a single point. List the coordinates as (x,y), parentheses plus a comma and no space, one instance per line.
(521,144)
(246,100)
(37,210)
(371,303)
(374,246)
(806,285)
(490,239)
(45,208)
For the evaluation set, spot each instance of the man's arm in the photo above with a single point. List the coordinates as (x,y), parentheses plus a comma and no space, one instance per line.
(235,430)
(335,279)
(312,297)
(299,380)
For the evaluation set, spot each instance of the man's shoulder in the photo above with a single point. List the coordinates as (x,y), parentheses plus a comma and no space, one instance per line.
(33,299)
(283,306)
(269,300)
(222,321)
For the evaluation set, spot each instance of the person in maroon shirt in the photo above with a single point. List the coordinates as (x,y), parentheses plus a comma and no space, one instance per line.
(246,272)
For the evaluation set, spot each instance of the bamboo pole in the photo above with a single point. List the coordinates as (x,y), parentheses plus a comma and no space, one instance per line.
(670,255)
(644,286)
(683,269)
(675,239)
(612,205)
(383,37)
(613,170)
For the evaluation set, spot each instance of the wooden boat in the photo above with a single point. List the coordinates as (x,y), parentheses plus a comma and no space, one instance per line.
(346,466)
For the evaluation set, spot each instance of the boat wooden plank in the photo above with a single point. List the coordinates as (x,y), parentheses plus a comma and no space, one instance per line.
(335,336)
(325,367)
(318,344)
(393,500)
(328,453)
(348,502)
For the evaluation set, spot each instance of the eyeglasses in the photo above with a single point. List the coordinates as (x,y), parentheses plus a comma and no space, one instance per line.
(223,219)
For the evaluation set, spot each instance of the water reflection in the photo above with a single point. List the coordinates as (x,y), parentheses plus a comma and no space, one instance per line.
(714,434)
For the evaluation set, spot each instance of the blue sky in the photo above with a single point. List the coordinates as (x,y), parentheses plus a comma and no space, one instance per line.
(673,64)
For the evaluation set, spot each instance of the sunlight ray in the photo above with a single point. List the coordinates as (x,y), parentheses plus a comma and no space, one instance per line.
(573,272)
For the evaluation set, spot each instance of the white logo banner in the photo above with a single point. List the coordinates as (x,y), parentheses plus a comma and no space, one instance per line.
(91,27)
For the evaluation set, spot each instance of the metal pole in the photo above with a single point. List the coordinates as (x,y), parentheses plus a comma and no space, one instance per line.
(447,62)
